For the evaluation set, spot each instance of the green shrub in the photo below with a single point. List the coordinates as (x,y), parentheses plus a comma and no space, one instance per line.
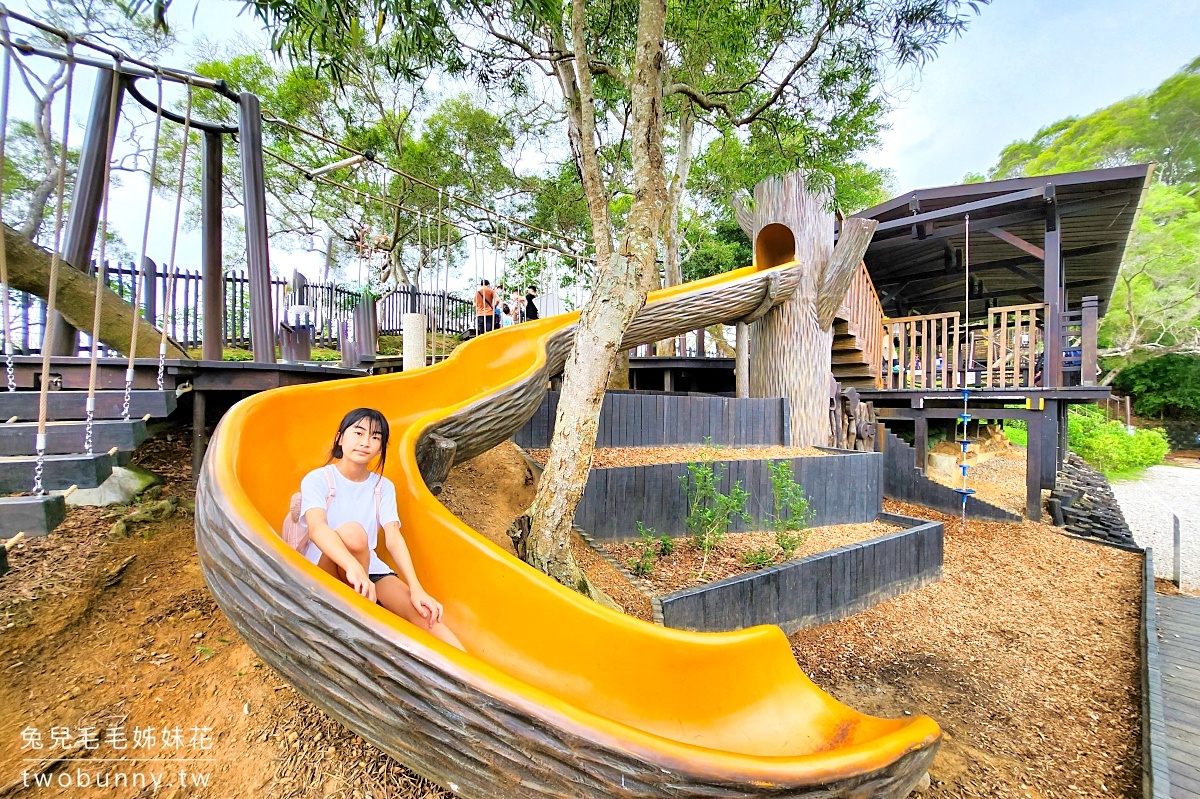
(665,546)
(758,558)
(790,512)
(1108,446)
(710,512)
(643,564)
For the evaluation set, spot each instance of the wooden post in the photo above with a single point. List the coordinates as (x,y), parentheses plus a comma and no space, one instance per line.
(1128,411)
(1052,280)
(1033,469)
(258,264)
(741,361)
(212,270)
(83,216)
(150,292)
(199,434)
(1177,572)
(1088,331)
(700,343)
(921,440)
(1050,444)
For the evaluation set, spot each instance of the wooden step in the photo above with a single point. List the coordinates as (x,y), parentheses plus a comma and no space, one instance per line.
(72,405)
(33,516)
(857,382)
(67,438)
(852,370)
(852,357)
(59,473)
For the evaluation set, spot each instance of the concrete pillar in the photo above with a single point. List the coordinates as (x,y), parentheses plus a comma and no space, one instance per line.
(414,341)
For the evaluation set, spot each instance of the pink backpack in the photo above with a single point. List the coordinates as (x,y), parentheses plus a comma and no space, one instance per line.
(295,534)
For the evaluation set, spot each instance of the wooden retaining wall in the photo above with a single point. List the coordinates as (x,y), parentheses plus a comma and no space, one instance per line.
(904,481)
(629,419)
(841,487)
(818,589)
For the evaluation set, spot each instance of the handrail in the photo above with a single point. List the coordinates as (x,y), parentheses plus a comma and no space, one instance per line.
(864,314)
(1013,335)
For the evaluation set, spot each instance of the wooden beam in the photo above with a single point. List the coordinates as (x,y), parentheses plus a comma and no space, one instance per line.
(957,211)
(1018,242)
(1052,280)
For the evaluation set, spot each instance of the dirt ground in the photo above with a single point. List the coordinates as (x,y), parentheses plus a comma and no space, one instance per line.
(1025,653)
(681,568)
(999,480)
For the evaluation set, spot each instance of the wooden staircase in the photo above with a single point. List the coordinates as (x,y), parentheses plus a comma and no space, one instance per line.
(858,334)
(851,367)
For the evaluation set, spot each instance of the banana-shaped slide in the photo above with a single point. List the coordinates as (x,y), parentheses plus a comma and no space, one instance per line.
(559,696)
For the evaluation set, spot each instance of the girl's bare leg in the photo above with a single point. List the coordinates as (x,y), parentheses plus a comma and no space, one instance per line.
(355,538)
(393,595)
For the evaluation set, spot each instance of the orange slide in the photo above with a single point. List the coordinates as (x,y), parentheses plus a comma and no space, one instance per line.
(558,696)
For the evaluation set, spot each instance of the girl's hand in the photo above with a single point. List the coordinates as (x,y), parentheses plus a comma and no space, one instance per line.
(360,582)
(429,608)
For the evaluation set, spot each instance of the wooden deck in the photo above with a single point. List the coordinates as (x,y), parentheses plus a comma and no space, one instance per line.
(1179,653)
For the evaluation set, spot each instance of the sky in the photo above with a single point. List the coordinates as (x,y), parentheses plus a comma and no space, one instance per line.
(1020,65)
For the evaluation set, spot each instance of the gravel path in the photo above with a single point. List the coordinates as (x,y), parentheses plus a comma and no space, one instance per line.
(1148,503)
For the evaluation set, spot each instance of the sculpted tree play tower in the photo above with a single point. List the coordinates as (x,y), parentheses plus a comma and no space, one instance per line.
(790,346)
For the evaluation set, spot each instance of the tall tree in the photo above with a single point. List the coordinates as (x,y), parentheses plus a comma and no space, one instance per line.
(1155,306)
(605,58)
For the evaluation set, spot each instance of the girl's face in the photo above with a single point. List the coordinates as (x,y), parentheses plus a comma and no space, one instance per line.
(361,443)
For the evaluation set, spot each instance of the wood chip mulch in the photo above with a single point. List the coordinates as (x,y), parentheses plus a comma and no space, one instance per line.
(1026,653)
(999,481)
(613,457)
(681,569)
(609,580)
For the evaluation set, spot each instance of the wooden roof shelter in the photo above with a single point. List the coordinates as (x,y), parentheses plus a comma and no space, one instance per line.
(916,258)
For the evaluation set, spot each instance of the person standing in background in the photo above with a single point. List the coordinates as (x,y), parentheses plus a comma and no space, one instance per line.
(485,308)
(531,309)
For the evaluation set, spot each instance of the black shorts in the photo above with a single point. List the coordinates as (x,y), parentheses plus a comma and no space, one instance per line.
(377,577)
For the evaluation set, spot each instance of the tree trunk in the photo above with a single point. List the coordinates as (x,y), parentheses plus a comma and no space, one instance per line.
(672,263)
(791,347)
(620,293)
(29,270)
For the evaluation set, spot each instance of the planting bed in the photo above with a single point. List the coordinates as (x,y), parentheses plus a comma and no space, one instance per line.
(681,568)
(616,457)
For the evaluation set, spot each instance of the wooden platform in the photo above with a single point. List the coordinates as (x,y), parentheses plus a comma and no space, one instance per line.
(72,373)
(1179,656)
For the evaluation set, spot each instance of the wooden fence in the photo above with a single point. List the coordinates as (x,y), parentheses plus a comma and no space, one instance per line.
(442,312)
(922,351)
(326,307)
(1014,338)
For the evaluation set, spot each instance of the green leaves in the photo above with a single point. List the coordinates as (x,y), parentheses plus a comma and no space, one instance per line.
(790,513)
(711,512)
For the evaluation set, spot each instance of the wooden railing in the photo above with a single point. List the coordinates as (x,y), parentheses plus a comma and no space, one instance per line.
(1079,330)
(864,313)
(1015,343)
(922,352)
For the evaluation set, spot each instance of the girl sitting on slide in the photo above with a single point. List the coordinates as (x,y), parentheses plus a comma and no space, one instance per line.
(344,504)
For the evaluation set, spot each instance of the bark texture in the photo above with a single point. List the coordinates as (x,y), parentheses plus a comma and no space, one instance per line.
(29,270)
(619,292)
(791,346)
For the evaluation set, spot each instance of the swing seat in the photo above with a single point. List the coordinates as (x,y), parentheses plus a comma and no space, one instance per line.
(557,695)
(67,438)
(72,405)
(34,516)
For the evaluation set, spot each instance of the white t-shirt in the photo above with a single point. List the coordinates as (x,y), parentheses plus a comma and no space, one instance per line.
(353,502)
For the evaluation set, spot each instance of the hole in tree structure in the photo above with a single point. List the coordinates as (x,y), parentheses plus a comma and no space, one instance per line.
(775,245)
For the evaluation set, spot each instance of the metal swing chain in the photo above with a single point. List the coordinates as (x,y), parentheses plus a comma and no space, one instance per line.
(101,264)
(55,263)
(169,304)
(141,272)
(8,348)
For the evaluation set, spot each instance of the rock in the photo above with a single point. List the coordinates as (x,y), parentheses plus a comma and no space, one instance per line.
(922,785)
(119,530)
(943,463)
(121,488)
(191,614)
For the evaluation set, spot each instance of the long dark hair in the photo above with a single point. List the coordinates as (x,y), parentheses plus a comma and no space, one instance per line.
(375,421)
